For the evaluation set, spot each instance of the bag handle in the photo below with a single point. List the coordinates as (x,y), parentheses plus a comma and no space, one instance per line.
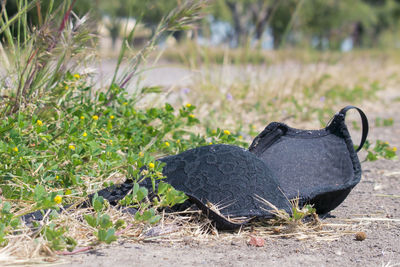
(364,122)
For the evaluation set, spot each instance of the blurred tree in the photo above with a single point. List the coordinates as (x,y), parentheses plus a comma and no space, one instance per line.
(388,19)
(248,17)
(324,23)
(329,22)
(281,16)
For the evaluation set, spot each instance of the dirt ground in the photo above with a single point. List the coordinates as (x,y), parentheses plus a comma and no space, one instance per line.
(372,207)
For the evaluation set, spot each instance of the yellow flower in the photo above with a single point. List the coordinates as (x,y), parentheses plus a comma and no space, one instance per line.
(227,132)
(151,165)
(191,116)
(66,87)
(125,103)
(141,154)
(110,141)
(240,137)
(178,141)
(188,105)
(214,131)
(210,143)
(167,144)
(68,192)
(95,117)
(15,149)
(84,134)
(82,117)
(39,122)
(72,147)
(77,76)
(58,199)
(394,149)
(112,117)
(57,177)
(386,143)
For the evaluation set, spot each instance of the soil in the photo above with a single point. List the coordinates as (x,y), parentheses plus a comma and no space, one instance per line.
(373,207)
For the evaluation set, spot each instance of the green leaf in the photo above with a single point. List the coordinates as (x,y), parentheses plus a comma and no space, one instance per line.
(147,215)
(162,187)
(6,207)
(98,203)
(155,219)
(102,97)
(105,221)
(135,190)
(168,107)
(110,237)
(101,235)
(142,193)
(151,89)
(91,220)
(39,193)
(119,223)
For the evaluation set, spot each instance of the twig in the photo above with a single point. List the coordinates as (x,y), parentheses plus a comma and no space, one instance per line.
(124,230)
(65,253)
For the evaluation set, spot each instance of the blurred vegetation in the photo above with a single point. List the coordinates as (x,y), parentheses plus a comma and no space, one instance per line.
(326,23)
(320,24)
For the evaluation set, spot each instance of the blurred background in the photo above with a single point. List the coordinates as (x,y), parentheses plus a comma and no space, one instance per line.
(246,61)
(268,25)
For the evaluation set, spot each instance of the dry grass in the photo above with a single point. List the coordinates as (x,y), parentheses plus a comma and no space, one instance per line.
(233,96)
(178,227)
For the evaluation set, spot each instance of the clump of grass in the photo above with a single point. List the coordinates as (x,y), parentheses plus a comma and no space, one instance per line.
(294,221)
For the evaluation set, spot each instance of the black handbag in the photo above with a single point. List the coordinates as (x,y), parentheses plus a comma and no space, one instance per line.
(320,167)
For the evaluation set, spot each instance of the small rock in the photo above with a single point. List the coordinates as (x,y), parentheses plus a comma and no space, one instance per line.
(276,230)
(360,236)
(339,252)
(256,241)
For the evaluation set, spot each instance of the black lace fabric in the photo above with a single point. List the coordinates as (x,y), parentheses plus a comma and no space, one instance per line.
(318,166)
(227,176)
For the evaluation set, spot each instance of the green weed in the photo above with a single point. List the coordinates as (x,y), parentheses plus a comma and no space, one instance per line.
(382,122)
(7,221)
(102,222)
(380,150)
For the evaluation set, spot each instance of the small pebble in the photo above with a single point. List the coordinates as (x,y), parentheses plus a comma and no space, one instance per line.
(360,236)
(256,241)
